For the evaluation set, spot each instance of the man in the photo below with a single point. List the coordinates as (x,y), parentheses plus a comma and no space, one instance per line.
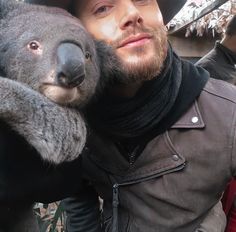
(220,62)
(161,147)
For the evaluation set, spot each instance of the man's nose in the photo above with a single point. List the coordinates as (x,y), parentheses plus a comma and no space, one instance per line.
(131,17)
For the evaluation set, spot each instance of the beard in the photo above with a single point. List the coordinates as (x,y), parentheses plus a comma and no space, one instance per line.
(114,70)
(140,68)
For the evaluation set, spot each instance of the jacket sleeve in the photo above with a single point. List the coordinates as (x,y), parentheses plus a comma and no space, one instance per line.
(215,220)
(83,211)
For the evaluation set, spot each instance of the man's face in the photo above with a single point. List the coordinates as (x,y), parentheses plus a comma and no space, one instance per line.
(133,28)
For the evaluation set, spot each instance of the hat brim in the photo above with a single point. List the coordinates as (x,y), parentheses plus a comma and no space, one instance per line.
(169,8)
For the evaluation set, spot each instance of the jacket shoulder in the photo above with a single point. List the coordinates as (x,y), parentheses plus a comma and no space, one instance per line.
(221,89)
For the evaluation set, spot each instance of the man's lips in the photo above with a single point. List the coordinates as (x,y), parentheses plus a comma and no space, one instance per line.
(136,40)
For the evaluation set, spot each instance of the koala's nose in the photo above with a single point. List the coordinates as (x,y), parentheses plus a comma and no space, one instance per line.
(70,66)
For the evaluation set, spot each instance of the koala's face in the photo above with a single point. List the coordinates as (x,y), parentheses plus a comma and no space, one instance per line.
(50,51)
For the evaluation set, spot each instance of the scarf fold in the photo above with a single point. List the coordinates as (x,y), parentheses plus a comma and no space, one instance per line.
(159,100)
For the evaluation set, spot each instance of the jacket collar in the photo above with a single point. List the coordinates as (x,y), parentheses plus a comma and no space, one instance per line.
(103,151)
(191,119)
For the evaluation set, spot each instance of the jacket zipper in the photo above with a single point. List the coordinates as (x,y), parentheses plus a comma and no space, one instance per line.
(115,204)
(132,157)
(115,193)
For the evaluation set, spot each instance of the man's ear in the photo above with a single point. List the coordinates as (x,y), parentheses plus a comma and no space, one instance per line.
(6,6)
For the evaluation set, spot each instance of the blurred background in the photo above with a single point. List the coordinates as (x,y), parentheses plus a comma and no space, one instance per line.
(198,25)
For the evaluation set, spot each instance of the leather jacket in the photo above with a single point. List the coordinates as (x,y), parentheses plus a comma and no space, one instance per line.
(180,175)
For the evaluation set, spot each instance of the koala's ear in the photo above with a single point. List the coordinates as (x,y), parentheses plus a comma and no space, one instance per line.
(6,6)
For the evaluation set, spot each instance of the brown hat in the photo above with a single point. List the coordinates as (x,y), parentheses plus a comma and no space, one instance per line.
(169,8)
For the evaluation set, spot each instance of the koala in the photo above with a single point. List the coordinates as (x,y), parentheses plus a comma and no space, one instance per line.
(46,54)
(49,70)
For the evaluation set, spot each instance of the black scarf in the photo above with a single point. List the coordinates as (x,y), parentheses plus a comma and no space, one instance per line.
(155,107)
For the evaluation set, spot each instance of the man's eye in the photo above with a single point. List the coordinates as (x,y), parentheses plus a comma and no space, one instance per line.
(102,10)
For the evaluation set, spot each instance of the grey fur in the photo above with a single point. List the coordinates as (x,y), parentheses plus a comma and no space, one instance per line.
(57,132)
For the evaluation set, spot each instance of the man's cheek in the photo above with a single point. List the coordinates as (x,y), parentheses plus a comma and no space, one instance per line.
(106,32)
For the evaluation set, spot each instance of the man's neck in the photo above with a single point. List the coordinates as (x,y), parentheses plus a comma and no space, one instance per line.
(229,42)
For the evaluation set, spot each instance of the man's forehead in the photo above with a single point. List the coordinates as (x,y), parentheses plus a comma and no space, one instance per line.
(89,2)
(169,8)
(81,6)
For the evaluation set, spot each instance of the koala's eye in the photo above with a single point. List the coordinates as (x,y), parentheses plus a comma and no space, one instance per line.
(34,45)
(88,55)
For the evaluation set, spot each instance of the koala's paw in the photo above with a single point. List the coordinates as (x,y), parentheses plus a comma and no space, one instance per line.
(60,147)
